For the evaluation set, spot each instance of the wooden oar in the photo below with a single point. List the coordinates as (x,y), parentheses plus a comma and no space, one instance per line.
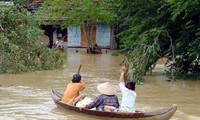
(79,69)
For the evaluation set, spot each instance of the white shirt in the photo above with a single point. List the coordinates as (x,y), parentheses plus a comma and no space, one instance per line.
(128,99)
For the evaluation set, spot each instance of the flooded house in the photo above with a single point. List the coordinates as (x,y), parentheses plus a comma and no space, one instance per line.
(73,36)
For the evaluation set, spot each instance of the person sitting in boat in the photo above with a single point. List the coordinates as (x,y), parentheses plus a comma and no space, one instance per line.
(90,49)
(128,93)
(106,98)
(71,95)
(94,50)
(97,49)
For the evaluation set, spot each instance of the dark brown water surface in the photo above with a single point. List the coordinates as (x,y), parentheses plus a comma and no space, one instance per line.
(27,96)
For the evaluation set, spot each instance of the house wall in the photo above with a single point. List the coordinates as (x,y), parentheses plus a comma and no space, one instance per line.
(74,36)
(104,33)
(103,36)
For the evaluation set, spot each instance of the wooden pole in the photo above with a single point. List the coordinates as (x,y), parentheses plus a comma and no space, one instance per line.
(79,69)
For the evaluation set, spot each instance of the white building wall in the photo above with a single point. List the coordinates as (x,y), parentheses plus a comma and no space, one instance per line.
(74,36)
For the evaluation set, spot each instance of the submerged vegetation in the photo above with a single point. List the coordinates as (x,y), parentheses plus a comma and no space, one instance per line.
(20,48)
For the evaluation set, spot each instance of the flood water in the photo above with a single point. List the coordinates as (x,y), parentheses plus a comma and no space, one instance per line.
(27,96)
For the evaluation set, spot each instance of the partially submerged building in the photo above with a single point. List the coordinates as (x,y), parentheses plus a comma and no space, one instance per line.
(103,34)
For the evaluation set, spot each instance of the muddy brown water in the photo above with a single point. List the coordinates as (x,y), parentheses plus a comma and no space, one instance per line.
(27,96)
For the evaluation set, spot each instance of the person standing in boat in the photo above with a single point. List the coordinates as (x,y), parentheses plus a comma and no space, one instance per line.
(106,98)
(71,95)
(128,93)
(58,45)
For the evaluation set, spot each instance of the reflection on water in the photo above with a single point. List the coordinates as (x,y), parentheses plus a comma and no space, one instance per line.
(27,96)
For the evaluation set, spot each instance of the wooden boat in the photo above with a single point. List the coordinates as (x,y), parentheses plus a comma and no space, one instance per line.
(162,114)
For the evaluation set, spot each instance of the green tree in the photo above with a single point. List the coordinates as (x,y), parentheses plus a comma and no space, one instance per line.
(20,49)
(83,13)
(152,29)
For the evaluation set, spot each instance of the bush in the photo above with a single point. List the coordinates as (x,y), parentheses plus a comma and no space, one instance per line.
(20,48)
